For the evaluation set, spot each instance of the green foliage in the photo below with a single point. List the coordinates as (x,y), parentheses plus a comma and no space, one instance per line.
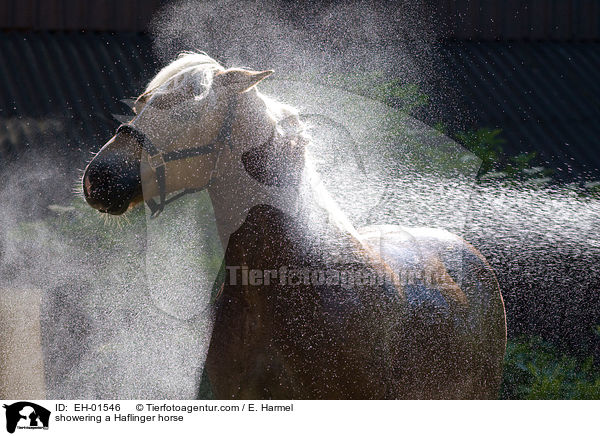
(406,96)
(535,370)
(486,144)
(592,190)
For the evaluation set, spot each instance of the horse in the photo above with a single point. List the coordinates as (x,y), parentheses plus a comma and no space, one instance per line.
(303,311)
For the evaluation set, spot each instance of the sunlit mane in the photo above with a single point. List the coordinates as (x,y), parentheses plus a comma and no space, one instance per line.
(189,66)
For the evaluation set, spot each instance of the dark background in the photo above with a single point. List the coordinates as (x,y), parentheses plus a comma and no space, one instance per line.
(528,67)
(482,20)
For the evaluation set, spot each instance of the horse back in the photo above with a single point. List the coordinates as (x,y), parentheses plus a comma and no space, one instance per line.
(453,335)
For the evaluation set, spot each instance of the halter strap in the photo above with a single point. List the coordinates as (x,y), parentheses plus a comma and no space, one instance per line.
(158,160)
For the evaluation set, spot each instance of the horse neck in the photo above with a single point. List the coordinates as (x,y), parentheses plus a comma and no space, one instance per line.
(233,192)
(305,203)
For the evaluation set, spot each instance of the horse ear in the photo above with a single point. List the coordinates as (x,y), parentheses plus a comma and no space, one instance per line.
(238,80)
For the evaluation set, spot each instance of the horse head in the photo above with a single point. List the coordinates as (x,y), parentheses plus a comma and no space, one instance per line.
(197,125)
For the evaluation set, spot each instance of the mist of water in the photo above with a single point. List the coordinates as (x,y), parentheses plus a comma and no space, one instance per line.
(103,334)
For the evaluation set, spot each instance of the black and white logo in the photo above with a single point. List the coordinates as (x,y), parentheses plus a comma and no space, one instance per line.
(26,415)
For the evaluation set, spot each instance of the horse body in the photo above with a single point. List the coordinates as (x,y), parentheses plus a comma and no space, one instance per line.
(354,341)
(280,333)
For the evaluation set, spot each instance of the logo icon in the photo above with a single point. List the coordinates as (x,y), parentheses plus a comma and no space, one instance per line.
(26,415)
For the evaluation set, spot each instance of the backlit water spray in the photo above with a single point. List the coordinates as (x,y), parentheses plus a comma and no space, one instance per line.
(105,336)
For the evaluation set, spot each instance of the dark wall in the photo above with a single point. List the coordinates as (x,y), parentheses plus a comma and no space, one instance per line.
(116,15)
(562,20)
(59,94)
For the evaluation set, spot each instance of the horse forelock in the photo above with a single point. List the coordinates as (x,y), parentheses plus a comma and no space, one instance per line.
(197,68)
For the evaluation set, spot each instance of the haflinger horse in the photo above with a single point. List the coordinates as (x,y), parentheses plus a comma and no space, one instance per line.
(281,334)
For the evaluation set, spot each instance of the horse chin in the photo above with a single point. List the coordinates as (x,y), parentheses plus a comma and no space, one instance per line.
(122,210)
(115,211)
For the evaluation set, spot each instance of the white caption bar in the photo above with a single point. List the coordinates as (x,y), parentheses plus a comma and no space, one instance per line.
(298,417)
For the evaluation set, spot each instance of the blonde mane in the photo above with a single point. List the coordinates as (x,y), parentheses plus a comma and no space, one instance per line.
(198,68)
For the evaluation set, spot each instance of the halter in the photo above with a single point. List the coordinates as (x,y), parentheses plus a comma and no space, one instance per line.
(157,159)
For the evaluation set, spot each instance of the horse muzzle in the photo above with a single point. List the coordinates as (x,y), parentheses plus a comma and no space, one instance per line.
(110,185)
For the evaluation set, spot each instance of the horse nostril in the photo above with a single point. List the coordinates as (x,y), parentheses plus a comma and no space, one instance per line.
(87,186)
(110,185)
